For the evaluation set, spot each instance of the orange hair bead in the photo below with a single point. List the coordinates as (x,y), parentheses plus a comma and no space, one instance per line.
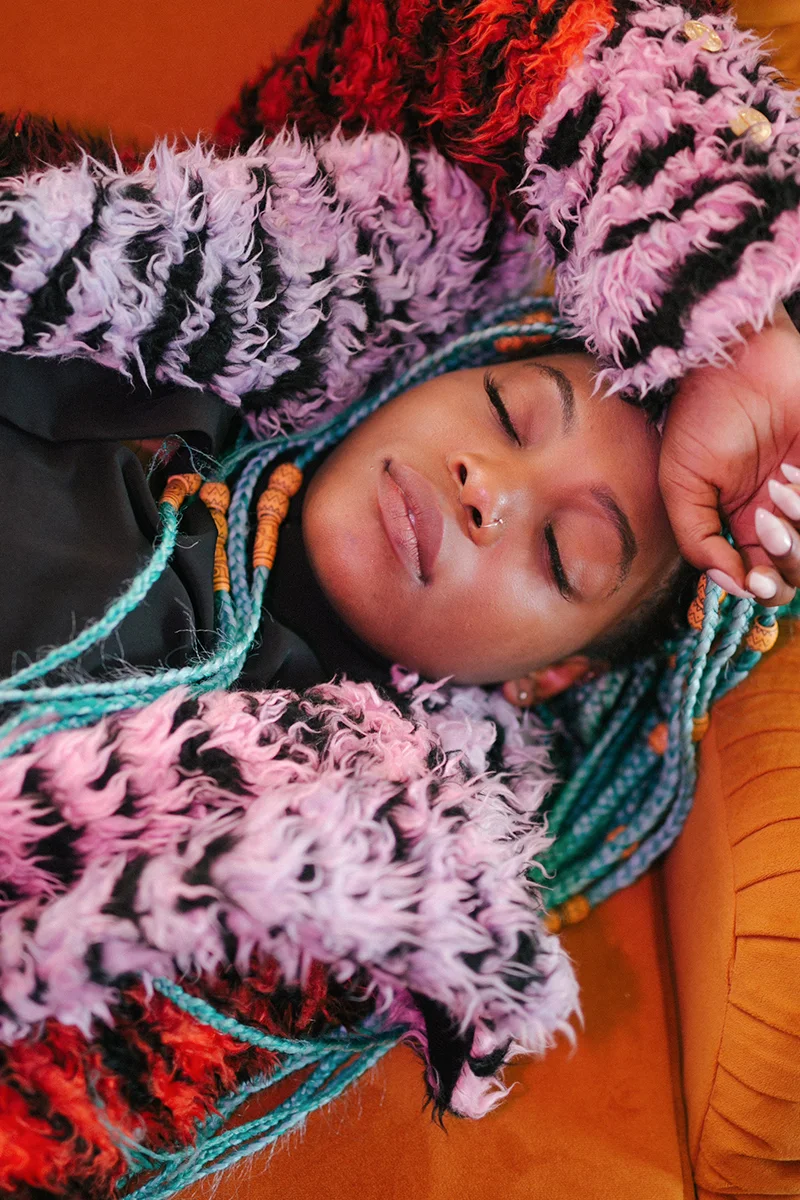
(700,727)
(698,605)
(217,498)
(273,505)
(178,488)
(658,737)
(762,637)
(552,921)
(576,909)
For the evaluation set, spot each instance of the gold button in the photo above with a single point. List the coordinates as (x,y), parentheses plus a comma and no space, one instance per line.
(696,31)
(754,123)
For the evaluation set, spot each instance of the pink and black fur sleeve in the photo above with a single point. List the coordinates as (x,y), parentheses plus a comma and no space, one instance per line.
(607,130)
(287,278)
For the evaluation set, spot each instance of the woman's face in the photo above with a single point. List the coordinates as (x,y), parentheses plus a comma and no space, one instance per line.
(491,522)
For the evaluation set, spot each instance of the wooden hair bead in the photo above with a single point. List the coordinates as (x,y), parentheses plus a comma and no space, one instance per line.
(700,727)
(552,921)
(286,478)
(217,498)
(178,488)
(576,909)
(762,637)
(658,738)
(698,606)
(273,505)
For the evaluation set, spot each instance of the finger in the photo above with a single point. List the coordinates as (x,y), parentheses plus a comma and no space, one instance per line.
(781,542)
(693,511)
(769,587)
(786,498)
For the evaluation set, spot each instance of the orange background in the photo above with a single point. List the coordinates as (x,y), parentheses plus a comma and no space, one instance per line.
(140,67)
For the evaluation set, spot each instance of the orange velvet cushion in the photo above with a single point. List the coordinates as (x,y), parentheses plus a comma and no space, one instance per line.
(733,893)
(779,22)
(602,1122)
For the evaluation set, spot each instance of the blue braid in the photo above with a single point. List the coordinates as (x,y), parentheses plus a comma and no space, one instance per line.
(627,738)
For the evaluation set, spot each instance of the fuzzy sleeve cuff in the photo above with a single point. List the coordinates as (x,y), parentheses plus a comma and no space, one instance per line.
(285,279)
(664,183)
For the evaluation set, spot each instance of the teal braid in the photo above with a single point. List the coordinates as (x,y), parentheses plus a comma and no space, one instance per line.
(624,798)
(47,708)
(130,599)
(337,1061)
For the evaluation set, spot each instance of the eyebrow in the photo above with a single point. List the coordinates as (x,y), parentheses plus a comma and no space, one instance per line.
(566,393)
(628,545)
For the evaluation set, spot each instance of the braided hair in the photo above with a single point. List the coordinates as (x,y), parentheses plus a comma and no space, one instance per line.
(625,742)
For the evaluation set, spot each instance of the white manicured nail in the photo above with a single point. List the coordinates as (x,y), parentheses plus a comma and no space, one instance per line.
(791,473)
(761,584)
(772,533)
(785,499)
(729,585)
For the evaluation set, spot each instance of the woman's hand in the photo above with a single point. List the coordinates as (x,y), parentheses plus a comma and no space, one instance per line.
(731,446)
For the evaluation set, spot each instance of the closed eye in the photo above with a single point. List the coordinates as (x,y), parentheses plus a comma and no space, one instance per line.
(496,401)
(557,567)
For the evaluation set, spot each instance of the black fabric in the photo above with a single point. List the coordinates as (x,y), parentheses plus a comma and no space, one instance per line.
(79,520)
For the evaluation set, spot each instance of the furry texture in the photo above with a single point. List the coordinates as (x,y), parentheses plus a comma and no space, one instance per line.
(72,1106)
(284,279)
(335,827)
(609,133)
(670,232)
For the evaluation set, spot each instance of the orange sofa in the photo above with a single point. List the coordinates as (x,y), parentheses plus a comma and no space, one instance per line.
(686,1078)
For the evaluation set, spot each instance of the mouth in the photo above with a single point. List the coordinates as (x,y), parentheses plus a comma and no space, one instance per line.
(411,518)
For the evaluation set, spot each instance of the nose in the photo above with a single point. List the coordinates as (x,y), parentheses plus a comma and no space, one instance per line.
(484,495)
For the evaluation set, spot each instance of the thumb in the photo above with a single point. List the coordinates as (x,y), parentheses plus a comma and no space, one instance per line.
(693,510)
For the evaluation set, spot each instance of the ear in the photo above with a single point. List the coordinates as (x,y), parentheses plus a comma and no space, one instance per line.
(549,681)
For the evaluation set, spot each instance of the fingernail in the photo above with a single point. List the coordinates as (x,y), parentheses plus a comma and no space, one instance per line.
(760,583)
(729,585)
(791,473)
(772,533)
(785,499)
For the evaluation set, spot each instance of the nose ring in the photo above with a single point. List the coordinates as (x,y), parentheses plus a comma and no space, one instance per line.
(496,521)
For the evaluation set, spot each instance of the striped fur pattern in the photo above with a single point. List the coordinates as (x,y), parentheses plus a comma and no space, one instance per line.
(387,839)
(608,130)
(670,232)
(73,1107)
(283,279)
(471,76)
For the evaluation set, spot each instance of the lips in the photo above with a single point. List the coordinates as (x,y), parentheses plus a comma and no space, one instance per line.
(411,517)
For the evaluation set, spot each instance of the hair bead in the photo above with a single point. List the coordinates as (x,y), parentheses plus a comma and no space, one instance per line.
(700,726)
(178,488)
(286,478)
(658,738)
(762,637)
(217,498)
(273,505)
(697,607)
